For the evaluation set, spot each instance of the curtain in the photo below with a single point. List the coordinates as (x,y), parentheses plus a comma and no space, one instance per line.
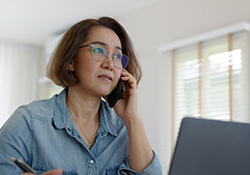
(19,71)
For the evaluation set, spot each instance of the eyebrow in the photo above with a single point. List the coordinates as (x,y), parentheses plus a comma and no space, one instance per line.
(104,44)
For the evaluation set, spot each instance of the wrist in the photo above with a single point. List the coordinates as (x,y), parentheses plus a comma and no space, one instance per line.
(133,122)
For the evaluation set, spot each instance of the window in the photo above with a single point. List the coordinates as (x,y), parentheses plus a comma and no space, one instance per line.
(212,80)
(210,76)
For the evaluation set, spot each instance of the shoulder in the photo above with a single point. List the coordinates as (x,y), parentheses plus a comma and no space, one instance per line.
(38,110)
(23,115)
(45,109)
(41,108)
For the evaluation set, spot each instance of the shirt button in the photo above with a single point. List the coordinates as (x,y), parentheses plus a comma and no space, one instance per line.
(91,161)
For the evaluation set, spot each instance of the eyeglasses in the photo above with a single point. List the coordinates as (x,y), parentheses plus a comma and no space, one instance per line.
(100,53)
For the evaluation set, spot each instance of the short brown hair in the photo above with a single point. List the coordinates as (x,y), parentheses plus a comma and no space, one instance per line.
(67,50)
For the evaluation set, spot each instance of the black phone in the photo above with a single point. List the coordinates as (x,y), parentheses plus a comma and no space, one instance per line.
(116,94)
(25,167)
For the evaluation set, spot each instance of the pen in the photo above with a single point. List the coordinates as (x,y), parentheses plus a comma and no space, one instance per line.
(25,167)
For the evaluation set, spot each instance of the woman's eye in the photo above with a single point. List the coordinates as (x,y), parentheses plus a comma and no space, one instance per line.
(98,51)
(117,56)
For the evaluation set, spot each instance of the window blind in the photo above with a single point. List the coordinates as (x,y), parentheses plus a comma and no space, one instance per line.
(192,73)
(211,80)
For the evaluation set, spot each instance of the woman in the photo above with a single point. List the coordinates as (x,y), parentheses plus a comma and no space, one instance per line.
(76,130)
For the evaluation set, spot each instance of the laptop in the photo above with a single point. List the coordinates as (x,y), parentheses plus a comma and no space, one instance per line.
(211,147)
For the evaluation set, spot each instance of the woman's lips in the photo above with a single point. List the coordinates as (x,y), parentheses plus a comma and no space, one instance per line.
(106,76)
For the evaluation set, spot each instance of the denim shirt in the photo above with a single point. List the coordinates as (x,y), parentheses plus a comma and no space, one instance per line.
(43,135)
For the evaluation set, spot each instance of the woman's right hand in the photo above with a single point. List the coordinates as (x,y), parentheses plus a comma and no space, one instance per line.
(52,172)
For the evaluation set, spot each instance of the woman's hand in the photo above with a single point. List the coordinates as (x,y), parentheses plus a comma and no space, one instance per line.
(52,172)
(140,152)
(126,108)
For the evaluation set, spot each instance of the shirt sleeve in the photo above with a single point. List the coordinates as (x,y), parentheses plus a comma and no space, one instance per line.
(15,140)
(153,168)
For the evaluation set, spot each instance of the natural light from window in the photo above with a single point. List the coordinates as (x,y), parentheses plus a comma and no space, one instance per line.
(215,83)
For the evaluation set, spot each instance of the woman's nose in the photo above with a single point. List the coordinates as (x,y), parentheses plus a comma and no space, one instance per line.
(108,63)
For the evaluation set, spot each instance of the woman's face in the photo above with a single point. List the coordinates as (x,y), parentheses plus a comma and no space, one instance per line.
(96,77)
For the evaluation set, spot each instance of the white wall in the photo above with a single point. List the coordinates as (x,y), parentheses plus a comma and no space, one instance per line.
(161,23)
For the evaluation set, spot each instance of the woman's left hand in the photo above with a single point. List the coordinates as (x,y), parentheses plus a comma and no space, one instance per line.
(126,107)
(140,152)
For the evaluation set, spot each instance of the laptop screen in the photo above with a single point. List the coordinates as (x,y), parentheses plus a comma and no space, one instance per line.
(211,147)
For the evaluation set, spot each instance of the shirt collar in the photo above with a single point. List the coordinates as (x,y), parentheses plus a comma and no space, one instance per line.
(61,115)
(109,121)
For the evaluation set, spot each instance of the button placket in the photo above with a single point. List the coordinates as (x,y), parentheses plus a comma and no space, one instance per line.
(92,167)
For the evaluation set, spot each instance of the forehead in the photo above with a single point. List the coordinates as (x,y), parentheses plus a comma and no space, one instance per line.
(104,35)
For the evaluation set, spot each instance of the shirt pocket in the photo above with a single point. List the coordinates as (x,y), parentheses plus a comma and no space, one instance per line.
(72,172)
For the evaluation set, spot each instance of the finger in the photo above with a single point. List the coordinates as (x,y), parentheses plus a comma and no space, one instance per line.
(131,80)
(54,172)
(125,72)
(126,76)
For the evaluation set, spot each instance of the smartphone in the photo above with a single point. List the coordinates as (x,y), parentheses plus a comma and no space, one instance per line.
(25,167)
(116,94)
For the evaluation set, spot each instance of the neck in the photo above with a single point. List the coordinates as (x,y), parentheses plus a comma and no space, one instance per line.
(84,107)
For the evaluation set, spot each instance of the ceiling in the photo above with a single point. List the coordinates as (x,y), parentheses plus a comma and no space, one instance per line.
(35,21)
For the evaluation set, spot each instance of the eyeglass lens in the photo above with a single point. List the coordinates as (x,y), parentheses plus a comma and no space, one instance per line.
(100,53)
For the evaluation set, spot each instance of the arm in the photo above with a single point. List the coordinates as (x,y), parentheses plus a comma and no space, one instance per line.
(140,152)
(15,141)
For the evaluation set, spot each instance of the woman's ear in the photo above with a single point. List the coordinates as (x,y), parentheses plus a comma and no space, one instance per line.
(71,66)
